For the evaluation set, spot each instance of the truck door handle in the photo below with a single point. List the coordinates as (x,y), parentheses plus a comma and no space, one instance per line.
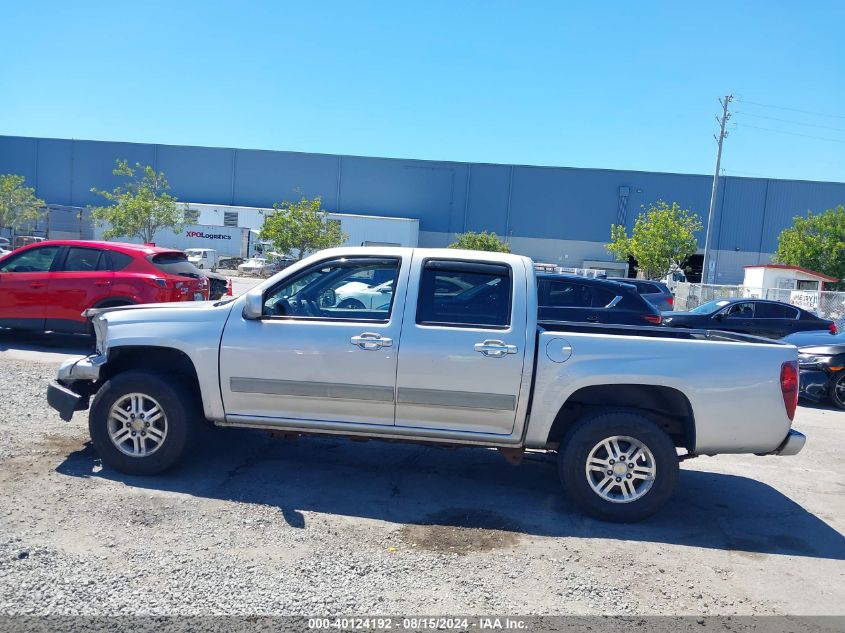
(371,340)
(593,319)
(102,282)
(37,284)
(495,348)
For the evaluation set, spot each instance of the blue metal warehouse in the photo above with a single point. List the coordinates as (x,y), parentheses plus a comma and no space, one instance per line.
(554,214)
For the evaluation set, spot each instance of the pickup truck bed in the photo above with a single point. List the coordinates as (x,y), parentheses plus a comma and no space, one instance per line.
(439,346)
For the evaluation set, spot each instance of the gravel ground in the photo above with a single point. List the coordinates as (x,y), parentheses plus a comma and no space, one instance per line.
(253,525)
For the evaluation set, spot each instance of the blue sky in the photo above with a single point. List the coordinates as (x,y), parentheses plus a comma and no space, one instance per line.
(624,85)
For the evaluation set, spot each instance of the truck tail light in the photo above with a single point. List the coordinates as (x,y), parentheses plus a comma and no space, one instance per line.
(789,386)
(833,329)
(229,292)
(671,301)
(653,318)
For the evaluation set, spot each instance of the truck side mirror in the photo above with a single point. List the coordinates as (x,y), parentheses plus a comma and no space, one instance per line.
(253,305)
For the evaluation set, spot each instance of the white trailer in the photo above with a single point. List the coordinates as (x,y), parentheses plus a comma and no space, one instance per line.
(228,241)
(361,229)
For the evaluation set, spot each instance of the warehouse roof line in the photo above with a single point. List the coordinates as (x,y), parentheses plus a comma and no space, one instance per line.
(421,160)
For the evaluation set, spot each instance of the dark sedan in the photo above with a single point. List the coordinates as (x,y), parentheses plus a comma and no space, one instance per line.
(759,317)
(821,361)
(588,300)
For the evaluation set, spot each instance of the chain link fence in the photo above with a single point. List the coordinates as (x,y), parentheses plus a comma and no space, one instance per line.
(826,304)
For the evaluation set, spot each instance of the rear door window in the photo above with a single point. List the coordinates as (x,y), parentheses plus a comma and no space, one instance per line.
(775,311)
(568,294)
(602,297)
(465,294)
(84,260)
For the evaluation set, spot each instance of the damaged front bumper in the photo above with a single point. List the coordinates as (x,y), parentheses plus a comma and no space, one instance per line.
(64,394)
(85,368)
(65,401)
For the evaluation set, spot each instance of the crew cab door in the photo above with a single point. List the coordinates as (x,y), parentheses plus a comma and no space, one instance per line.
(462,347)
(308,358)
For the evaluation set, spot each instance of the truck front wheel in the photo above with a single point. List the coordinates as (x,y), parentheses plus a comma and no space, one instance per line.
(139,422)
(617,466)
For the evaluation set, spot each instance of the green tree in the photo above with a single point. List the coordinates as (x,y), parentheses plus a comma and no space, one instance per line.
(295,228)
(18,204)
(662,238)
(816,242)
(483,241)
(139,208)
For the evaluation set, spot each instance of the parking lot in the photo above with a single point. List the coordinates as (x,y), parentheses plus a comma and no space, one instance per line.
(250,524)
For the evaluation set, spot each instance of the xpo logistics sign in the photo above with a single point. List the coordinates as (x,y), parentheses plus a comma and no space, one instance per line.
(207,236)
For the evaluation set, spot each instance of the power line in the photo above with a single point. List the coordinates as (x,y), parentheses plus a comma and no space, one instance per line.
(810,112)
(772,118)
(768,129)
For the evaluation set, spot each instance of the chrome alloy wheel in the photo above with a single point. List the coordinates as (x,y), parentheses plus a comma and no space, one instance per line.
(137,425)
(621,469)
(839,390)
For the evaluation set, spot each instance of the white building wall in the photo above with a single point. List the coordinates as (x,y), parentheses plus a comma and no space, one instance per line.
(754,278)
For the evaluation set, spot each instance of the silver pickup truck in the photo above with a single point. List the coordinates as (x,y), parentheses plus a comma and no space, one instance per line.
(436,346)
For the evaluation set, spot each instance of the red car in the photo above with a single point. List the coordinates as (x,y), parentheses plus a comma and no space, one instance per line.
(46,286)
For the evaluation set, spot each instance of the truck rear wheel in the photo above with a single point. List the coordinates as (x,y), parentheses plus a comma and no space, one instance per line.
(140,422)
(618,466)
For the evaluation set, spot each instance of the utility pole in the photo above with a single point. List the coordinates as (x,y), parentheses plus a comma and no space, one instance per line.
(708,271)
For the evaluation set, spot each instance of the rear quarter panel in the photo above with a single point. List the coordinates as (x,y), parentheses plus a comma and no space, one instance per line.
(733,388)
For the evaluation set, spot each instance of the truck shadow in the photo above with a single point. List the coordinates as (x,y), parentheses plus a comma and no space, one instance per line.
(425,486)
(76,344)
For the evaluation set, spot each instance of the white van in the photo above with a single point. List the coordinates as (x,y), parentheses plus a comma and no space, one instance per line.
(205,258)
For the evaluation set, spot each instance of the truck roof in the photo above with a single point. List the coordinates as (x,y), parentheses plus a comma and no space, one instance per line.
(444,253)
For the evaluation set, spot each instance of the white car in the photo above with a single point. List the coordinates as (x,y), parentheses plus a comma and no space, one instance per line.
(257,266)
(356,295)
(203,258)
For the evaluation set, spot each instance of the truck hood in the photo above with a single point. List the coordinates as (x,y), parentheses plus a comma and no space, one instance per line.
(160,324)
(151,316)
(175,305)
